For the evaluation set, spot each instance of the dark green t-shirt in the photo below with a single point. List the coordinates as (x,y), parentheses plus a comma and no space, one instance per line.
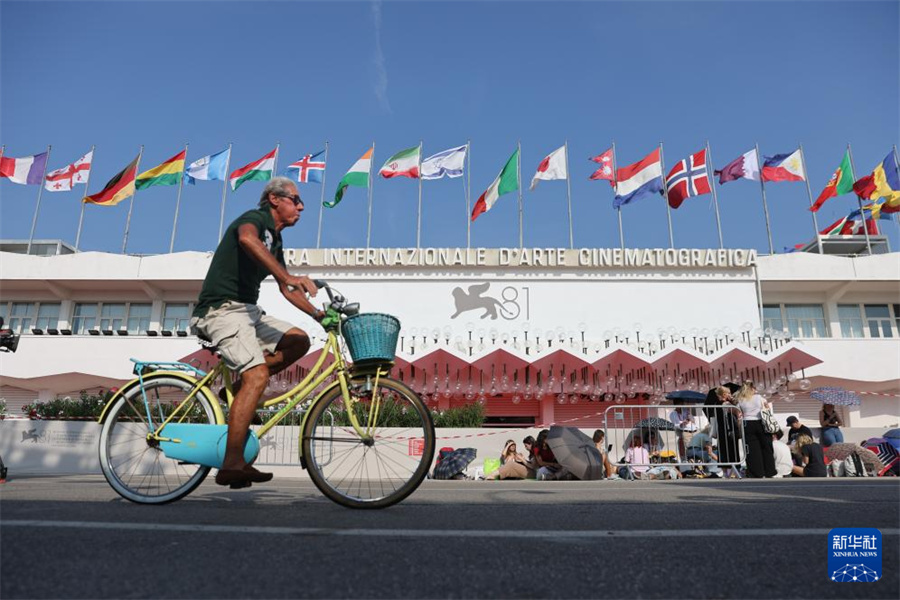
(233,274)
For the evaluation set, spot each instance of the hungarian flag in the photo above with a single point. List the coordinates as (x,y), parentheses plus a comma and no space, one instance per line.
(24,171)
(258,170)
(883,182)
(841,182)
(552,167)
(605,171)
(62,180)
(357,176)
(403,164)
(507,181)
(118,188)
(168,173)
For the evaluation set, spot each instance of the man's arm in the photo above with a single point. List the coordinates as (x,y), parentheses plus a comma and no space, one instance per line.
(248,239)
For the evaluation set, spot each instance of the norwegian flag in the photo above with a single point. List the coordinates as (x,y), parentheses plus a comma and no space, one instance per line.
(688,178)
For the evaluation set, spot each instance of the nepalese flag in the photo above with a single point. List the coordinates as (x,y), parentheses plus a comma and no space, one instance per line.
(783,167)
(745,166)
(24,171)
(62,180)
(883,182)
(639,179)
(212,167)
(308,169)
(258,170)
(688,178)
(605,171)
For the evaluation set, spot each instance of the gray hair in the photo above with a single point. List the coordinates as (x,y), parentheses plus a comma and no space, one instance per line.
(277,186)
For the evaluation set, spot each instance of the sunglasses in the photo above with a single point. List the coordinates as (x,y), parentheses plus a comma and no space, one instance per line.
(295,199)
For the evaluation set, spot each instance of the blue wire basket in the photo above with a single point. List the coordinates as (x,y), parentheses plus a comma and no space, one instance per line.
(371,337)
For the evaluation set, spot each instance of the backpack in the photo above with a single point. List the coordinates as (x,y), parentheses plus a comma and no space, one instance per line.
(851,466)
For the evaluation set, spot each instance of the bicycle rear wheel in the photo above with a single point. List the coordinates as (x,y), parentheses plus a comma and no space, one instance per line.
(373,473)
(136,467)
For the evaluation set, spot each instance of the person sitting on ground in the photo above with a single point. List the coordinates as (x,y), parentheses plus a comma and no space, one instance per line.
(528,444)
(783,464)
(812,456)
(700,449)
(831,424)
(797,429)
(685,426)
(654,444)
(548,468)
(600,442)
(512,464)
(637,458)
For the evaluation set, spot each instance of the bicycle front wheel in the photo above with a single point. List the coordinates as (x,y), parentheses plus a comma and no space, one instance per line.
(375,472)
(134,465)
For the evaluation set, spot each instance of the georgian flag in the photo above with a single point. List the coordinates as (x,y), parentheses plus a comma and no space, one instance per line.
(688,178)
(62,180)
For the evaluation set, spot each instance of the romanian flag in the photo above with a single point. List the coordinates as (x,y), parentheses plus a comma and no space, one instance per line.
(168,173)
(118,188)
(884,182)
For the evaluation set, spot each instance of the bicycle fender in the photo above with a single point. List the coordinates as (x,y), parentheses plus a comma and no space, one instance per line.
(217,409)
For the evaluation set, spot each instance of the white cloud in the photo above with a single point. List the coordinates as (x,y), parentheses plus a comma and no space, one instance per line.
(381,77)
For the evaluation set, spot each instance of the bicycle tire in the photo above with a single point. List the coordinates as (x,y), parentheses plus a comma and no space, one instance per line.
(135,467)
(394,473)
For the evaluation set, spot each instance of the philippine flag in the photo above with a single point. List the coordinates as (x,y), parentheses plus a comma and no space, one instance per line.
(642,178)
(783,167)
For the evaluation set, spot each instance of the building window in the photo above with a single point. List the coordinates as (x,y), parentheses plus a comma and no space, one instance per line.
(176,317)
(806,320)
(851,321)
(772,317)
(84,318)
(3,309)
(138,318)
(878,320)
(48,316)
(897,316)
(112,317)
(20,317)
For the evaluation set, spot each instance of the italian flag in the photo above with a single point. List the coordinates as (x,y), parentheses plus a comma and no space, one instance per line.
(841,182)
(259,170)
(507,181)
(168,173)
(357,176)
(403,164)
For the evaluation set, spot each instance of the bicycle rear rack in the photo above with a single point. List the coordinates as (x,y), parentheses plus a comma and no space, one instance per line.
(142,367)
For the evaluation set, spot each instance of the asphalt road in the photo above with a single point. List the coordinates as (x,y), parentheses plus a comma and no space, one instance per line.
(72,537)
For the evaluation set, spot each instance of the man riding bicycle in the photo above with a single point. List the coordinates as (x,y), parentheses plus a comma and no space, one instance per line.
(252,343)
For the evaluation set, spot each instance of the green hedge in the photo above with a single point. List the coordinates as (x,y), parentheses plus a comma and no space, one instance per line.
(87,405)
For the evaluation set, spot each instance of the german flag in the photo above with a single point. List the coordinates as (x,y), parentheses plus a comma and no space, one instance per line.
(118,188)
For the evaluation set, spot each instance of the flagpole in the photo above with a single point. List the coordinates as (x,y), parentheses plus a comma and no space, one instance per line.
(37,206)
(519,182)
(275,163)
(419,214)
(87,183)
(809,193)
(369,224)
(137,169)
(224,193)
(710,174)
(662,166)
(616,191)
(322,203)
(762,186)
(468,193)
(178,203)
(862,213)
(569,198)
(897,162)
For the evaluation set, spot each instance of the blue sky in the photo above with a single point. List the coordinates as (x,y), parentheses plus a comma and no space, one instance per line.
(119,75)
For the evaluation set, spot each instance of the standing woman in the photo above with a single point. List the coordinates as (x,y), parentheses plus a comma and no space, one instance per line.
(760,455)
(831,424)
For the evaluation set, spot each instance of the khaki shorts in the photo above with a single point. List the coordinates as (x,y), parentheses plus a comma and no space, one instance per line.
(242,333)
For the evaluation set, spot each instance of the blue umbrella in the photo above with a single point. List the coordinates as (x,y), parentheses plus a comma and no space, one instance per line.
(454,463)
(686,396)
(835,395)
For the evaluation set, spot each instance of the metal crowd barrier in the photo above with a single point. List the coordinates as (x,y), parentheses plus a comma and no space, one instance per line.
(683,448)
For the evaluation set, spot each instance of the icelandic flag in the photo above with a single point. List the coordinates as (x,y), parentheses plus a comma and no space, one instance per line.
(307,169)
(639,179)
(783,167)
(212,167)
(449,163)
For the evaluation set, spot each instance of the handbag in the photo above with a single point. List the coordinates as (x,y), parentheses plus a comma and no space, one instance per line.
(770,425)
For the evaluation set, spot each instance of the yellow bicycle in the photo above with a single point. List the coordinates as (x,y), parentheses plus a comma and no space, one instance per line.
(366,440)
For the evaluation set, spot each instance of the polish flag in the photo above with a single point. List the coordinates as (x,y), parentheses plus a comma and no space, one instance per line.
(552,167)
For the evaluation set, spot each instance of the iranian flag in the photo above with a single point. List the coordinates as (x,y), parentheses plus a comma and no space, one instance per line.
(357,176)
(507,181)
(258,170)
(841,182)
(403,164)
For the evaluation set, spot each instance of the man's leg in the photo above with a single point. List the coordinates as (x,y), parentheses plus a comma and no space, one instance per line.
(253,382)
(294,345)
